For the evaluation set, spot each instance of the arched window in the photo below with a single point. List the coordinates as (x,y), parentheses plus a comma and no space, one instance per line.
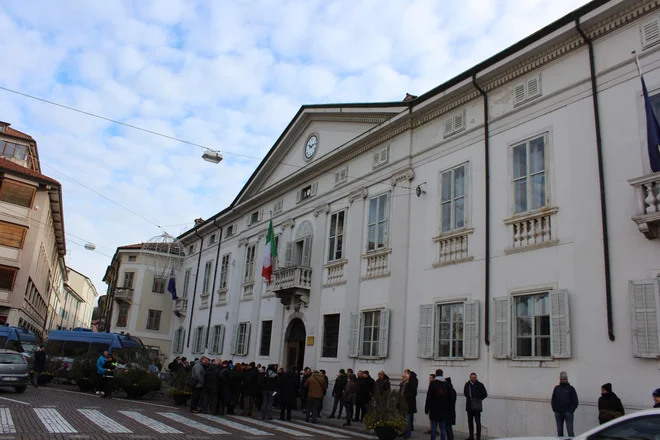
(299,252)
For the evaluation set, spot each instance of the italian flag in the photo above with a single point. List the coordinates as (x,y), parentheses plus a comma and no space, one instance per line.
(270,252)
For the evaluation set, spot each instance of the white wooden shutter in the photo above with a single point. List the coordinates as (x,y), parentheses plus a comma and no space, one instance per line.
(247,339)
(383,341)
(298,196)
(376,159)
(650,33)
(195,338)
(181,340)
(354,337)
(261,214)
(560,324)
(307,251)
(471,330)
(533,87)
(221,340)
(315,187)
(288,256)
(449,126)
(177,336)
(247,220)
(234,339)
(211,348)
(425,335)
(644,298)
(459,121)
(205,332)
(519,93)
(501,336)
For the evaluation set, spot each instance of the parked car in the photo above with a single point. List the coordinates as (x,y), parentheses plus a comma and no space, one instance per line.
(14,370)
(641,425)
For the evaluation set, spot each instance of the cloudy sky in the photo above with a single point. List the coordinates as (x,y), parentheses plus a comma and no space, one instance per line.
(227,74)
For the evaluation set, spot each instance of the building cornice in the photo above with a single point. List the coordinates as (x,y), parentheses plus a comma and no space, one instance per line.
(357,195)
(323,209)
(402,176)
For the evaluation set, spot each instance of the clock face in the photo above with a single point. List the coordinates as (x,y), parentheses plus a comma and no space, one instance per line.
(310,146)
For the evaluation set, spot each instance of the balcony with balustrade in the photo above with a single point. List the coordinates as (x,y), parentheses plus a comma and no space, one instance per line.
(647,212)
(292,284)
(180,307)
(124,295)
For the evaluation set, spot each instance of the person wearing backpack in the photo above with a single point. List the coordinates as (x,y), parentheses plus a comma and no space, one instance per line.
(438,402)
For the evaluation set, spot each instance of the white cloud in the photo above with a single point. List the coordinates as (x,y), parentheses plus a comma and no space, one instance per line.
(229,75)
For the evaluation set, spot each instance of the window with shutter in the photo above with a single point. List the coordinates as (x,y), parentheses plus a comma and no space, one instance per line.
(471,330)
(354,337)
(454,124)
(560,323)
(382,157)
(221,339)
(17,193)
(425,333)
(288,256)
(529,89)
(234,339)
(449,127)
(519,94)
(644,305)
(533,326)
(650,33)
(12,235)
(501,338)
(307,251)
(383,343)
(246,347)
(450,330)
(533,88)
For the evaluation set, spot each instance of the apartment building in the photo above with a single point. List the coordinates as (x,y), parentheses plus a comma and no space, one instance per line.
(32,243)
(83,299)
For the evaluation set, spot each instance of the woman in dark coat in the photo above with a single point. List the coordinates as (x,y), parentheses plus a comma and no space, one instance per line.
(609,405)
(288,391)
(451,413)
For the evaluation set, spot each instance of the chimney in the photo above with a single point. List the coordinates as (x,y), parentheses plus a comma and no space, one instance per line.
(199,221)
(409,97)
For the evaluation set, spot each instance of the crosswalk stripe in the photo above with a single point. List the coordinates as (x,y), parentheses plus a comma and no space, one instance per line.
(54,422)
(157,426)
(310,429)
(6,422)
(104,422)
(292,432)
(339,430)
(234,425)
(192,423)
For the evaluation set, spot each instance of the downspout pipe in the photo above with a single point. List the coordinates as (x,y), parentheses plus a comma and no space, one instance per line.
(601,182)
(215,275)
(194,292)
(487,219)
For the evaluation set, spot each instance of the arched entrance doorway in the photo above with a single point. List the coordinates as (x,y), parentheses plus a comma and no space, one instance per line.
(295,337)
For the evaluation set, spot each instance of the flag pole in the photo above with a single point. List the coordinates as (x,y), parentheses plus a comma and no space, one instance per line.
(639,68)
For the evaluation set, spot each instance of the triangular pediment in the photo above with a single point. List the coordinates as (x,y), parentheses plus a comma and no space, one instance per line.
(326,129)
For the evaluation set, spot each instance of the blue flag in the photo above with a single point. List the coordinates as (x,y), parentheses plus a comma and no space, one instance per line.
(652,132)
(171,286)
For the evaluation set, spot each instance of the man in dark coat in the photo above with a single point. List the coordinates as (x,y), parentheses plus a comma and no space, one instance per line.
(349,396)
(475,393)
(250,379)
(564,404)
(303,391)
(365,394)
(289,386)
(211,377)
(39,365)
(438,401)
(409,392)
(338,393)
(383,383)
(609,405)
(414,384)
(451,414)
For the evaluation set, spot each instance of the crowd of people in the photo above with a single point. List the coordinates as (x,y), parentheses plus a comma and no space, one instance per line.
(222,387)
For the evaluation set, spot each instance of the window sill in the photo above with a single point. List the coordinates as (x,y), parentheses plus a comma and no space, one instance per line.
(451,263)
(221,303)
(377,252)
(335,263)
(452,234)
(530,215)
(333,359)
(204,295)
(204,307)
(269,294)
(248,284)
(531,247)
(245,299)
(372,360)
(458,362)
(533,363)
(338,283)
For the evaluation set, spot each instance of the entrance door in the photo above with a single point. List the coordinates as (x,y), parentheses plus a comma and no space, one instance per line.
(295,344)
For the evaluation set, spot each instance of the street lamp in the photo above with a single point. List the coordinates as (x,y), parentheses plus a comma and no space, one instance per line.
(212,156)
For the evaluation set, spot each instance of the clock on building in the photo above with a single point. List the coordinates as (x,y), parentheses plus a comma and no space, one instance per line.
(310,146)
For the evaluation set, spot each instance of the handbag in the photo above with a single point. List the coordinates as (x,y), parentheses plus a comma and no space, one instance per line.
(475,404)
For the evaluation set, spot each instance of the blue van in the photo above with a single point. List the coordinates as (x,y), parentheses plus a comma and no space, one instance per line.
(19,339)
(69,343)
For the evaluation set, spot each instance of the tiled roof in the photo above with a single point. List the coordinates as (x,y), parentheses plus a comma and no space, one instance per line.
(8,165)
(11,132)
(131,246)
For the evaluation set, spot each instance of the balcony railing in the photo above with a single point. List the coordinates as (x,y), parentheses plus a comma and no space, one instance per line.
(647,194)
(453,247)
(335,273)
(292,284)
(181,306)
(531,230)
(124,295)
(377,264)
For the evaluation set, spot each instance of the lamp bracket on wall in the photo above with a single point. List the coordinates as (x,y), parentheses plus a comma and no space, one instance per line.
(420,190)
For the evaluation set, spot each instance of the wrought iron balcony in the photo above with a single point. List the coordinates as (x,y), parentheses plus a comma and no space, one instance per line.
(180,306)
(292,284)
(124,295)
(647,194)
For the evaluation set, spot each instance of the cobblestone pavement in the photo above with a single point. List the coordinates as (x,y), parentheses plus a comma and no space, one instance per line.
(62,413)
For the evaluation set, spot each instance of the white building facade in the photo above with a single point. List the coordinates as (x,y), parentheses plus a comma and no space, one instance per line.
(415,235)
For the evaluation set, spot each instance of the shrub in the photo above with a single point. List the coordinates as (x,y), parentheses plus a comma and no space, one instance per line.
(84,369)
(138,377)
(387,409)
